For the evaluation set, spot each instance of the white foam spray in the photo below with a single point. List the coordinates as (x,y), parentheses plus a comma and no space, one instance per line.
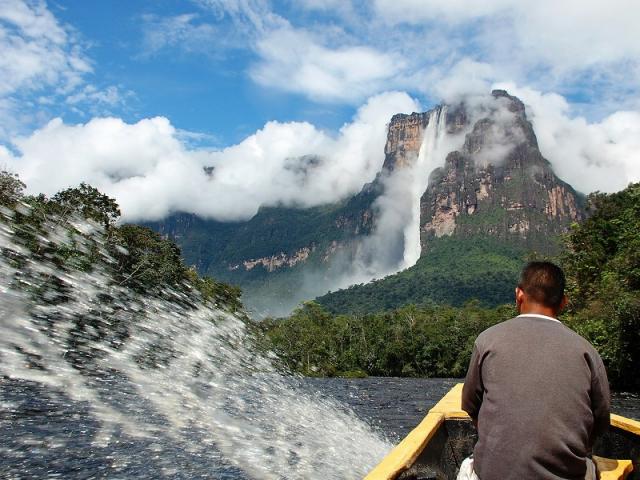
(188,374)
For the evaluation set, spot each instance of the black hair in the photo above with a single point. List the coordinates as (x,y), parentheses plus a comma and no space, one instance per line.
(544,282)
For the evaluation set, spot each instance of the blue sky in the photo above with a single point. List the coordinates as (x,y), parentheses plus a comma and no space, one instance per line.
(192,61)
(204,88)
(132,95)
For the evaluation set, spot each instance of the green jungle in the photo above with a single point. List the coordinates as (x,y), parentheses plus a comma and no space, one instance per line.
(601,258)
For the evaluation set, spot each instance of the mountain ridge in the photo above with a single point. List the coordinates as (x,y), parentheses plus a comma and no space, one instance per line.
(493,188)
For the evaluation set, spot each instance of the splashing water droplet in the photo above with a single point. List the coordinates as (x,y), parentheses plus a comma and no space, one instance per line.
(116,368)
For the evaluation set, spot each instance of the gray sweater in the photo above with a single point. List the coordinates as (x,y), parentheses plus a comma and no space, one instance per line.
(540,395)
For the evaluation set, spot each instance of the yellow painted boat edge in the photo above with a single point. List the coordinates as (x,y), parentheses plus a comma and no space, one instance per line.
(408,450)
(451,404)
(612,469)
(450,407)
(624,423)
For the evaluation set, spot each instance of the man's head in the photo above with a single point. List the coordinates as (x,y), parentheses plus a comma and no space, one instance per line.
(541,289)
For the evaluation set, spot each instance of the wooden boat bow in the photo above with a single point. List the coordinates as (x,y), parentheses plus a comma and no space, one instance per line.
(413,450)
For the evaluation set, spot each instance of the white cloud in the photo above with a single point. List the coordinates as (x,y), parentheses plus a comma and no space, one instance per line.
(565,37)
(43,64)
(320,60)
(152,173)
(590,156)
(580,33)
(251,17)
(109,97)
(450,11)
(342,9)
(36,50)
(465,78)
(295,61)
(183,31)
(323,5)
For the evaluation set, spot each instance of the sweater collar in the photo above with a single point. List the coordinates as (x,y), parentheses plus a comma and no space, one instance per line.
(537,315)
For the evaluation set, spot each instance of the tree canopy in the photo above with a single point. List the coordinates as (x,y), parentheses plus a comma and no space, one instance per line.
(601,258)
(602,262)
(135,256)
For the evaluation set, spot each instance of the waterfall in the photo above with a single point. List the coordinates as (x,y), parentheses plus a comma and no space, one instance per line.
(430,157)
(394,244)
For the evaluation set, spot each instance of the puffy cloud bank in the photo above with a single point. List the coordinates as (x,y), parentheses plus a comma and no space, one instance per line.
(602,155)
(152,173)
(326,74)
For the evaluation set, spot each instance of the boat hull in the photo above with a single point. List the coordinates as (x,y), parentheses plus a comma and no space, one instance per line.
(455,438)
(441,458)
(435,449)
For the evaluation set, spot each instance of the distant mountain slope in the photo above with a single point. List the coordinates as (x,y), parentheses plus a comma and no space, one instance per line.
(495,202)
(455,270)
(281,255)
(490,202)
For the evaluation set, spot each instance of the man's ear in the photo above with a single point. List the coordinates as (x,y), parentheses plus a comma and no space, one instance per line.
(563,303)
(519,296)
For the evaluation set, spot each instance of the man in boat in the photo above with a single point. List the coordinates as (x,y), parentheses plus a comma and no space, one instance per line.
(537,392)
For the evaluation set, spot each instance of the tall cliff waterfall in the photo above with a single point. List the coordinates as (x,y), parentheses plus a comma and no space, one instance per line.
(431,155)
(395,243)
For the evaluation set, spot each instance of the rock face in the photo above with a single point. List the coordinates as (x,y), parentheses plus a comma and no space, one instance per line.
(499,184)
(274,262)
(404,139)
(405,135)
(496,185)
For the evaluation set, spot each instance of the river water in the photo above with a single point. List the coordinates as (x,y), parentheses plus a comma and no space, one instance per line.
(395,405)
(47,435)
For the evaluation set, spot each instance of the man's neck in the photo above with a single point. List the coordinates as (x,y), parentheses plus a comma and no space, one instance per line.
(537,309)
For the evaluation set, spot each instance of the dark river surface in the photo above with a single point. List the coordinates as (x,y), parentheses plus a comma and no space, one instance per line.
(44,435)
(396,405)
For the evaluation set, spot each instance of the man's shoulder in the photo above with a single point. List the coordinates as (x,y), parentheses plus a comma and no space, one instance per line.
(515,324)
(497,329)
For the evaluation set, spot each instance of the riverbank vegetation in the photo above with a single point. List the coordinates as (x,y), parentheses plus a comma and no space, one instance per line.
(426,341)
(601,257)
(76,229)
(86,281)
(602,262)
